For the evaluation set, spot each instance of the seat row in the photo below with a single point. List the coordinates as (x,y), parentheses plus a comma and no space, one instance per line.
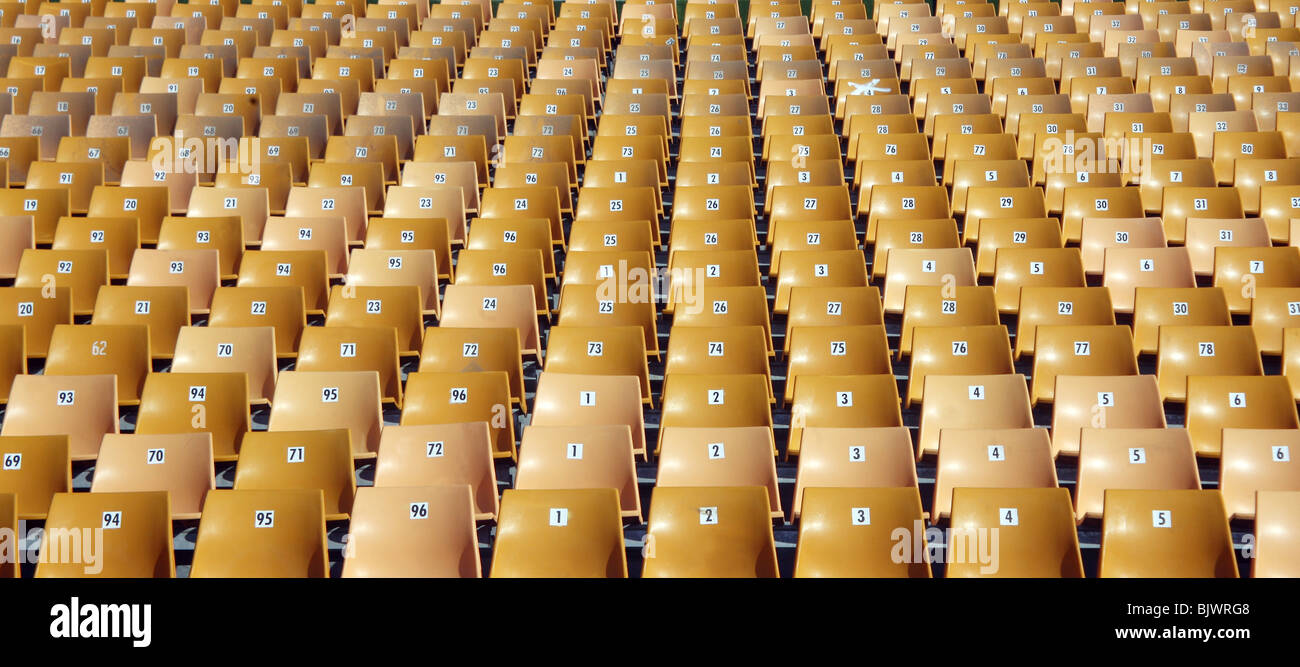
(429,531)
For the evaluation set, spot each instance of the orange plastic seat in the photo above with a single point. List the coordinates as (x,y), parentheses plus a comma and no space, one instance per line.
(251,533)
(1166,533)
(442,454)
(1141,458)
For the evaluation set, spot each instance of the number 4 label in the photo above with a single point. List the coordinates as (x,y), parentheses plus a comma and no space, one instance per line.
(1009,516)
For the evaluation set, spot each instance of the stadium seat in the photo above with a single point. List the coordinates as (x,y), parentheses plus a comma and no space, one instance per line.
(225,234)
(1156,307)
(1036,536)
(842,350)
(279,307)
(443,454)
(1079,350)
(1128,269)
(568,533)
(832,306)
(351,401)
(1275,523)
(83,271)
(586,457)
(964,350)
(823,451)
(955,266)
(1058,306)
(303,269)
(259,534)
(397,267)
(496,306)
(1255,460)
(1217,402)
(843,401)
(710,532)
(101,349)
(714,401)
(119,237)
(136,529)
(1270,314)
(383,541)
(317,459)
(180,464)
(1240,271)
(198,270)
(354,349)
(216,403)
(1164,533)
(971,402)
(1184,351)
(852,532)
(719,457)
(215,349)
(1118,401)
(36,467)
(448,350)
(586,399)
(164,310)
(1131,458)
(991,458)
(728,306)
